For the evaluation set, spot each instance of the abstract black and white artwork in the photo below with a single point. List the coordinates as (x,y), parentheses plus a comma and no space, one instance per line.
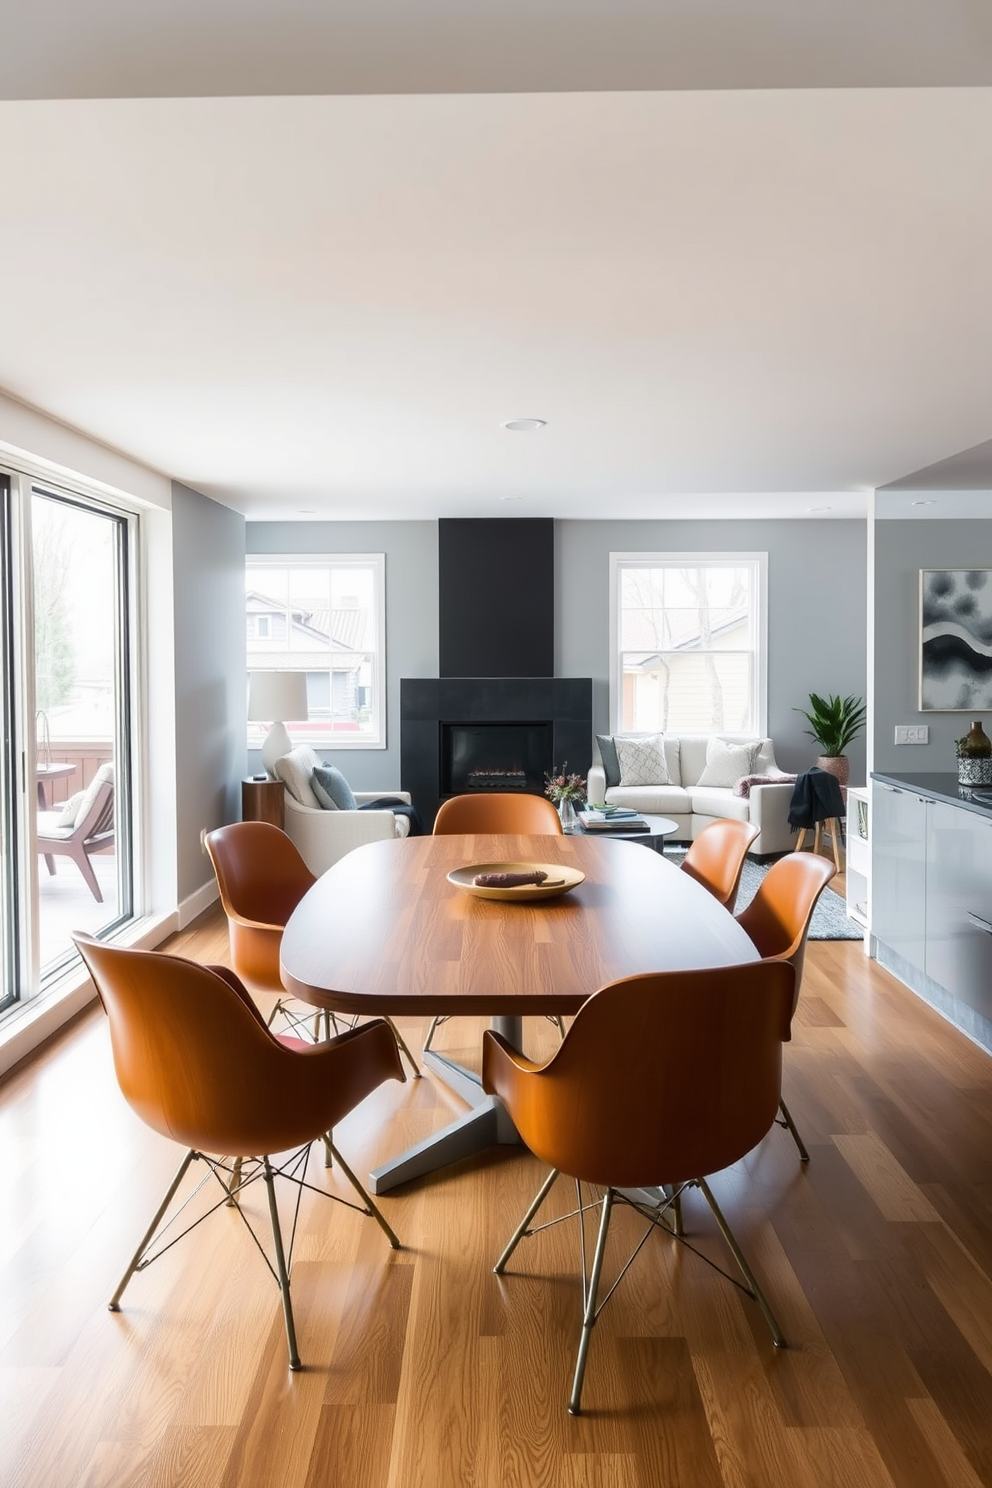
(956,639)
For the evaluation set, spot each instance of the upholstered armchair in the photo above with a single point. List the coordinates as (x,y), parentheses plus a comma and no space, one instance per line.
(322,835)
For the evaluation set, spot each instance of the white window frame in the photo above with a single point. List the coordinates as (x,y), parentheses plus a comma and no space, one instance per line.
(258,562)
(759,679)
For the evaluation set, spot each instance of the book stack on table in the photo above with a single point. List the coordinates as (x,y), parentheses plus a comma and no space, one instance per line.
(615,818)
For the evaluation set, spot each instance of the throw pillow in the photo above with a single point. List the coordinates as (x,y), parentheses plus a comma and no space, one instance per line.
(608,755)
(332,790)
(727,763)
(85,800)
(642,761)
(70,810)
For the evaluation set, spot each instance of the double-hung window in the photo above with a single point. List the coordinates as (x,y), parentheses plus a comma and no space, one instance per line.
(689,642)
(322,614)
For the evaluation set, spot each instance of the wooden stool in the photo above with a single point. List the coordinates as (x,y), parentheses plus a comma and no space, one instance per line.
(832,823)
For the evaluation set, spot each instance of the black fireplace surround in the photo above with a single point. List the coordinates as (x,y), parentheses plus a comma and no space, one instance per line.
(496,719)
(460,734)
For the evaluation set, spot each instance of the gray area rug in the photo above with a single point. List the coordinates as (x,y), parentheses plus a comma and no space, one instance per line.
(830,920)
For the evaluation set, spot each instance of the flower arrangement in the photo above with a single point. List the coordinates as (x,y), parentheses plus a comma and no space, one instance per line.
(560,786)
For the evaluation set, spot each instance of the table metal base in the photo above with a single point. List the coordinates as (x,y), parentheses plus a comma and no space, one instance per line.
(485,1124)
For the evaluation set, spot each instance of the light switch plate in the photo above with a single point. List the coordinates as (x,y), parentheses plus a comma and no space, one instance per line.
(912,733)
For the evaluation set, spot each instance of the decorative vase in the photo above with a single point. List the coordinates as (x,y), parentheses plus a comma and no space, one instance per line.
(975,757)
(566,814)
(836,764)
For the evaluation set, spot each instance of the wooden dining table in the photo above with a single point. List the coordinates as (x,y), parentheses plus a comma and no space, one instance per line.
(384,931)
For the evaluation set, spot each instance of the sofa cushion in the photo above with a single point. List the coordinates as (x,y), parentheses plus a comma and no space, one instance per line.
(660,800)
(332,790)
(295,770)
(727,763)
(642,761)
(715,801)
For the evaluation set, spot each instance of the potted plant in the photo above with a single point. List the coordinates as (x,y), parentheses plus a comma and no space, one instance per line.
(834,723)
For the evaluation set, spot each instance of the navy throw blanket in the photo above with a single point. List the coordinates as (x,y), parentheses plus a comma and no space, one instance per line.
(398,808)
(816,797)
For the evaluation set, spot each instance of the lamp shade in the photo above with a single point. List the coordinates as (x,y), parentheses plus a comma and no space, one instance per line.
(277,697)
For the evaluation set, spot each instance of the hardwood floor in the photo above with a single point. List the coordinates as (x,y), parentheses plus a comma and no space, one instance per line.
(423,1370)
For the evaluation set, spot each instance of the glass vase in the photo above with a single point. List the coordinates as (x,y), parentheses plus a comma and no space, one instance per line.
(566,814)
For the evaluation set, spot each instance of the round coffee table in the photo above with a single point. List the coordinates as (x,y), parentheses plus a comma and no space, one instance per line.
(652,834)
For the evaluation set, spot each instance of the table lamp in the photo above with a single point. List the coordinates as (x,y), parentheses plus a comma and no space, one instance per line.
(274,698)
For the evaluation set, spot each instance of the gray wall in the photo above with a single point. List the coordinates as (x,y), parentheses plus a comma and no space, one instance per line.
(209,584)
(902,548)
(817,575)
(817,610)
(411,618)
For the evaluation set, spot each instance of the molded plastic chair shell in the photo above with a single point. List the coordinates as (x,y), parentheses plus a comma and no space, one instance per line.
(196,1062)
(777,918)
(716,857)
(612,1104)
(496,811)
(262,878)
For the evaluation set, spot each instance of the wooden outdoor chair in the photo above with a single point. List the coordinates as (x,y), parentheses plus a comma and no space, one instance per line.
(92,829)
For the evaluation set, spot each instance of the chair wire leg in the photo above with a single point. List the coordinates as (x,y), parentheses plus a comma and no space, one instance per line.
(401,1041)
(281,1272)
(788,1122)
(589,1320)
(371,1208)
(435,1024)
(778,1337)
(235,1182)
(524,1224)
(115,1302)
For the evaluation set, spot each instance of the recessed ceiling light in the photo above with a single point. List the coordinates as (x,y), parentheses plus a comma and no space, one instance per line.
(301,512)
(511,498)
(819,508)
(930,502)
(524,426)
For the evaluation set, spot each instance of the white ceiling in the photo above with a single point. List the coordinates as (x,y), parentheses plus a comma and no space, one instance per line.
(744,302)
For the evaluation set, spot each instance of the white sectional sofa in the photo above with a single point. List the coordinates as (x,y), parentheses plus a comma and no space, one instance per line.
(692,805)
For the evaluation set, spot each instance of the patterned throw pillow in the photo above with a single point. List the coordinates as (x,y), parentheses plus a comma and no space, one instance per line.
(728,763)
(642,761)
(332,790)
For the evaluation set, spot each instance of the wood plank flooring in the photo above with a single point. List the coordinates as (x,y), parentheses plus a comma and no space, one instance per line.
(423,1370)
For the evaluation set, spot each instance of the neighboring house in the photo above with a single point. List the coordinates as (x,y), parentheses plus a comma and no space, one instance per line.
(692,677)
(333,647)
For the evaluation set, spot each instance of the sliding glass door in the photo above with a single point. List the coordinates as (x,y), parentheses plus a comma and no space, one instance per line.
(10,941)
(66,766)
(81,757)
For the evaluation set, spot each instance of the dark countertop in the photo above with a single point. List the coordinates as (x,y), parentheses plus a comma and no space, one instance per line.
(940,786)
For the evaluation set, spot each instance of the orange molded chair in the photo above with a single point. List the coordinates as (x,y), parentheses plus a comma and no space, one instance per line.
(496,811)
(716,857)
(777,920)
(196,1061)
(611,1105)
(262,878)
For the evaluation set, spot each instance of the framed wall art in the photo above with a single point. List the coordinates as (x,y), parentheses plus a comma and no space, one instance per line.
(955,640)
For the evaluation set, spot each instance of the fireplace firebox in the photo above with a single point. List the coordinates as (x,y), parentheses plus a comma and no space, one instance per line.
(494,757)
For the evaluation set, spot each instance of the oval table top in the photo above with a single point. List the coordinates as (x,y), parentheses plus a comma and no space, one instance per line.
(384,931)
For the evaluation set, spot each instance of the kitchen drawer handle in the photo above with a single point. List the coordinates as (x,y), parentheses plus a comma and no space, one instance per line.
(979,923)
